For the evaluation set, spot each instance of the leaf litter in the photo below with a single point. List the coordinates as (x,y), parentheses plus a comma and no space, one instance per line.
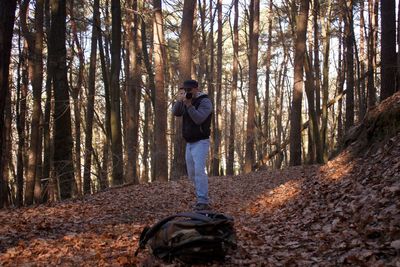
(343,213)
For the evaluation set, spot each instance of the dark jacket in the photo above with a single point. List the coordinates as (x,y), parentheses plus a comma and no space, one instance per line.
(196,119)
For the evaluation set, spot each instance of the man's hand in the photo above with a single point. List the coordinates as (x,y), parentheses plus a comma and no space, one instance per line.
(187,102)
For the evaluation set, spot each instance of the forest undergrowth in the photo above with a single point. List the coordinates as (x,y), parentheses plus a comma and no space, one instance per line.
(346,212)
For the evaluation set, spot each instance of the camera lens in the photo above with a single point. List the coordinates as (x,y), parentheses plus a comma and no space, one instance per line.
(189,95)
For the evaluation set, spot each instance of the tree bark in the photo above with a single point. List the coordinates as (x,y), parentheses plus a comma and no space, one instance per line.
(7,155)
(363,62)
(317,78)
(388,48)
(231,144)
(340,82)
(348,21)
(317,152)
(22,92)
(133,91)
(295,118)
(63,165)
(115,116)
(76,92)
(35,51)
(215,170)
(371,91)
(210,76)
(160,151)
(185,61)
(106,83)
(148,128)
(90,101)
(322,149)
(250,129)
(50,184)
(7,16)
(398,44)
(267,124)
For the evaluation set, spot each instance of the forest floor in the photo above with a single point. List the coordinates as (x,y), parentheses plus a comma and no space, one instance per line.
(346,212)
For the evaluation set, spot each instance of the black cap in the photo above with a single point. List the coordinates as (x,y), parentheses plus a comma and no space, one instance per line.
(189,84)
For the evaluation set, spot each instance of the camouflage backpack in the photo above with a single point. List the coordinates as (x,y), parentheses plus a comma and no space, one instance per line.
(190,237)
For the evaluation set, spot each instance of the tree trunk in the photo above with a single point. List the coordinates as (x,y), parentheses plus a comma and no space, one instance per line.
(63,165)
(203,61)
(106,83)
(115,116)
(35,51)
(133,91)
(267,125)
(295,118)
(217,123)
(388,48)
(7,153)
(22,92)
(278,106)
(185,62)
(371,91)
(231,144)
(75,92)
(398,45)
(340,82)
(363,62)
(90,101)
(317,77)
(250,129)
(322,147)
(317,153)
(210,78)
(7,16)
(50,180)
(348,21)
(160,107)
(148,128)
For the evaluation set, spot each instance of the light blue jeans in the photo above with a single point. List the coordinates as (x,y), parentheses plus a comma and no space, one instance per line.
(196,157)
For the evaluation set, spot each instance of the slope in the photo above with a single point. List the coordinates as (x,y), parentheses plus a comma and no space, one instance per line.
(345,212)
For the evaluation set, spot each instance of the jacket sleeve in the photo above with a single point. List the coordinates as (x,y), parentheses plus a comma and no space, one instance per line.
(178,108)
(200,114)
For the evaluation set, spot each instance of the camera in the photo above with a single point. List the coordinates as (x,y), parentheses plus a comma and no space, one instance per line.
(189,95)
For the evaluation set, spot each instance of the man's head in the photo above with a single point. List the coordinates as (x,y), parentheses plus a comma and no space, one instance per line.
(190,86)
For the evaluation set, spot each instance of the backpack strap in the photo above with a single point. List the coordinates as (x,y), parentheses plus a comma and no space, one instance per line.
(149,232)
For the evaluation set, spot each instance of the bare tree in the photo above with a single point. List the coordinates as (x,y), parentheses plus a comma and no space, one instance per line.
(21,106)
(50,188)
(7,16)
(115,116)
(348,24)
(133,84)
(90,102)
(398,43)
(63,165)
(231,144)
(388,48)
(215,167)
(75,93)
(160,151)
(35,51)
(185,62)
(253,59)
(371,91)
(295,118)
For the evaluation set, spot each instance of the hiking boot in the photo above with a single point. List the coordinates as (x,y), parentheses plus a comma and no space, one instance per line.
(201,206)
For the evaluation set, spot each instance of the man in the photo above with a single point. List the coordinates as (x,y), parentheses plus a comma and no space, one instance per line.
(196,109)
